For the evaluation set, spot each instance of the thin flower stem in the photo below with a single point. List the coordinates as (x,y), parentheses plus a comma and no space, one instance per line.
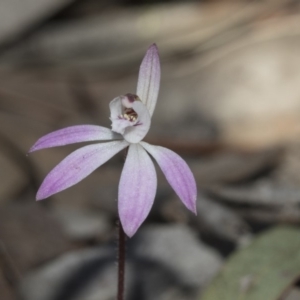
(121,262)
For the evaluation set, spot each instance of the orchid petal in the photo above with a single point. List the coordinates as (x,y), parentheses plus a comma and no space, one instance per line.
(137,132)
(137,189)
(74,134)
(115,107)
(177,173)
(77,166)
(119,125)
(149,78)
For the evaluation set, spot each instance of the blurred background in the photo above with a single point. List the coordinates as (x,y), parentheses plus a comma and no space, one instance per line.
(229,104)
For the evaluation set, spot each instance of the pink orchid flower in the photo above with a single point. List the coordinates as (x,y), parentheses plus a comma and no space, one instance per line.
(131,119)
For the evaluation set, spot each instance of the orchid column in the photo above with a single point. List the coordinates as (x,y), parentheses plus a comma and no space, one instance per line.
(131,119)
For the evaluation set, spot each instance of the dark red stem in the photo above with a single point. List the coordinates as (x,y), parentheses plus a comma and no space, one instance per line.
(121,255)
(121,262)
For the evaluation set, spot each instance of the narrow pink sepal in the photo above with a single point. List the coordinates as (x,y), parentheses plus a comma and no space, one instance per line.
(137,189)
(177,172)
(77,166)
(74,134)
(149,78)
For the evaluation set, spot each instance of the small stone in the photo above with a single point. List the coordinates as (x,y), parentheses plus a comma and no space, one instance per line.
(293,294)
(30,235)
(221,221)
(80,224)
(82,275)
(172,261)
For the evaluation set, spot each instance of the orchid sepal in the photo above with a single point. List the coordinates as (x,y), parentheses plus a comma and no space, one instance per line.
(149,78)
(78,165)
(137,189)
(74,134)
(177,173)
